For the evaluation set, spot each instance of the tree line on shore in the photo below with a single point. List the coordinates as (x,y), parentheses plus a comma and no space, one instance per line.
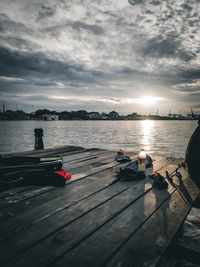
(45,114)
(63,115)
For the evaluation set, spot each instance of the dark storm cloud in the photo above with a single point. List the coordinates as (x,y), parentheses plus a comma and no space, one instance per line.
(36,98)
(135,2)
(11,35)
(17,64)
(155,3)
(8,25)
(159,47)
(167,46)
(81,25)
(45,11)
(189,74)
(76,26)
(187,7)
(179,75)
(189,88)
(192,99)
(20,43)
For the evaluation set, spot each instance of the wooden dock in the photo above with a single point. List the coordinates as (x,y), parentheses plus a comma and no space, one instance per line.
(95,220)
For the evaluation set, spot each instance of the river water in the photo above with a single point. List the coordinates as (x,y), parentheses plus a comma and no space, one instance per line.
(167,138)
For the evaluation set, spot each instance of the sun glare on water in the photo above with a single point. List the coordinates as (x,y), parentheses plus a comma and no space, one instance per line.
(147,129)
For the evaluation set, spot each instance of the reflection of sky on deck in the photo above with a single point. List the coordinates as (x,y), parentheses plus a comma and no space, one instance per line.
(147,127)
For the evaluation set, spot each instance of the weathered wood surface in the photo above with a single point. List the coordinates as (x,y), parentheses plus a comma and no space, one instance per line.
(188,243)
(95,220)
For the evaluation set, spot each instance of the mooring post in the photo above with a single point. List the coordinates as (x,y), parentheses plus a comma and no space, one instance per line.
(38,138)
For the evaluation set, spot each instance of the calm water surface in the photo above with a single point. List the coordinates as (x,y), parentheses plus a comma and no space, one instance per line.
(168,138)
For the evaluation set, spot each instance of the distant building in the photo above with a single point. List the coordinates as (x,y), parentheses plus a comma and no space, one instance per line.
(132,116)
(154,117)
(23,117)
(94,115)
(113,115)
(104,116)
(174,115)
(14,115)
(50,117)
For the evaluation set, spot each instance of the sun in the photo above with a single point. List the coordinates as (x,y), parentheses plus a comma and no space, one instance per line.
(145,100)
(148,100)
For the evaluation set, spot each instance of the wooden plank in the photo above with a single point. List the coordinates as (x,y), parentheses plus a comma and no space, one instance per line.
(145,247)
(152,251)
(97,161)
(67,237)
(176,160)
(102,245)
(188,244)
(45,202)
(74,194)
(29,199)
(60,219)
(20,241)
(104,242)
(106,177)
(26,194)
(58,150)
(75,207)
(26,201)
(6,193)
(92,221)
(12,197)
(47,151)
(78,156)
(190,189)
(12,194)
(79,152)
(102,156)
(83,155)
(87,171)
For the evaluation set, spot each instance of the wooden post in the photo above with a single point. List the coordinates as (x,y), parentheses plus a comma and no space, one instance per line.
(38,139)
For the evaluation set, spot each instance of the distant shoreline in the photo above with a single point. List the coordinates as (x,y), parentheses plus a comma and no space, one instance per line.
(48,115)
(142,119)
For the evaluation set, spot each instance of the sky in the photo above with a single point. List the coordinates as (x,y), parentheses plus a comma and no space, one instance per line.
(124,55)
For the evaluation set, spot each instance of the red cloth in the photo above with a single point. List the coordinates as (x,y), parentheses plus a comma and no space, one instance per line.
(64,174)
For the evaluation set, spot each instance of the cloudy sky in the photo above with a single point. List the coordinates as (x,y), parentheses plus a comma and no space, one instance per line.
(124,55)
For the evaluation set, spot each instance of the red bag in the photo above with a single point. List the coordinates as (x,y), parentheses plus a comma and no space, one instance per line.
(64,174)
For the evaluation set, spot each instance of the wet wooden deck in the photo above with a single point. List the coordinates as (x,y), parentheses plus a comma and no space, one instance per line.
(94,220)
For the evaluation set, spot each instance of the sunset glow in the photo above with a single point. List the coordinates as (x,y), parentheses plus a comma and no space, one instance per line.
(148,100)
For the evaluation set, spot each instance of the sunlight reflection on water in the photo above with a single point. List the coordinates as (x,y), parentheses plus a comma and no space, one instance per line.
(147,127)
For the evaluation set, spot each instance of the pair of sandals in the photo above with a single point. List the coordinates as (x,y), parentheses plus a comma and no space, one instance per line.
(121,158)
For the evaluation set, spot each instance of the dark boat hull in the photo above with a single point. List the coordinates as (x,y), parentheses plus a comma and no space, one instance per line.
(193,155)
